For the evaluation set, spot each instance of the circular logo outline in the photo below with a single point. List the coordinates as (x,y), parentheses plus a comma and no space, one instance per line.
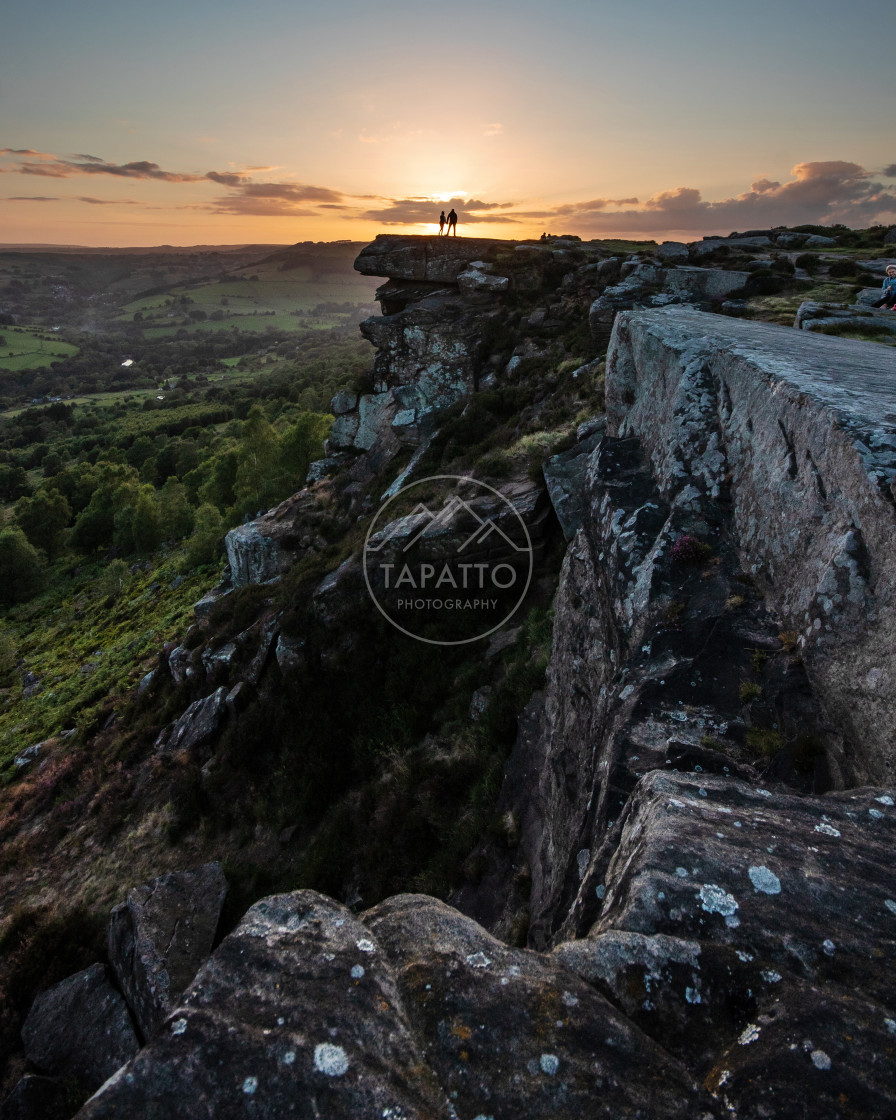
(454,478)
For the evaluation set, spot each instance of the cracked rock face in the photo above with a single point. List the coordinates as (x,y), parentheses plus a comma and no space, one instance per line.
(263,549)
(159,937)
(801,430)
(751,927)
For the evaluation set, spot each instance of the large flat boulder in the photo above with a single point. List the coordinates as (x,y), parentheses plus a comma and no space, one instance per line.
(441,259)
(798,432)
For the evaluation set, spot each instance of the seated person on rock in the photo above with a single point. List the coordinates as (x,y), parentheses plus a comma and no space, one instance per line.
(888,296)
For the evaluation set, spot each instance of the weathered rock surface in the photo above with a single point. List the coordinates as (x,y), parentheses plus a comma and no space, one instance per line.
(801,882)
(730,911)
(197,726)
(799,433)
(296,1014)
(510,1034)
(564,475)
(262,549)
(414,1012)
(159,937)
(421,258)
(79,1030)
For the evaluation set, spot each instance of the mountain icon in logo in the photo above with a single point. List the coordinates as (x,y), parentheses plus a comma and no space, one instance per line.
(451,571)
(431,523)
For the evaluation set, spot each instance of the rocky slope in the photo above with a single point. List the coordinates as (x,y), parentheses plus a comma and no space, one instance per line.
(680,901)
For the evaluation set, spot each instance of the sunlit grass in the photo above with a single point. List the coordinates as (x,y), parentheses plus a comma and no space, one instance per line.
(84,648)
(27,348)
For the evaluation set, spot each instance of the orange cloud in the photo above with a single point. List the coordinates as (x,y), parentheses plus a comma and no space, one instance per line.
(423,211)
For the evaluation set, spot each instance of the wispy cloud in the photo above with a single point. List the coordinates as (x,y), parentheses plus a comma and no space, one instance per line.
(92,165)
(108,201)
(494,129)
(245,197)
(29,152)
(31,198)
(272,199)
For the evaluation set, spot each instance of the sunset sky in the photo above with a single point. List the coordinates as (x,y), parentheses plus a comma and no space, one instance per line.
(192,122)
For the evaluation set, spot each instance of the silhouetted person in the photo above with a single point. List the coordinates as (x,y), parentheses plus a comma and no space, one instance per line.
(452,222)
(442,220)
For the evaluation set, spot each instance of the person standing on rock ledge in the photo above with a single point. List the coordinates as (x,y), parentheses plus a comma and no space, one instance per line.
(441,223)
(452,222)
(888,294)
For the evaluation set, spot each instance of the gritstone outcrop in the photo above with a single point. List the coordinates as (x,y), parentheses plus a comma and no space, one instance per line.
(697,817)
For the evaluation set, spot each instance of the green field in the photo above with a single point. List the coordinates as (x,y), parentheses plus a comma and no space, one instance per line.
(285,300)
(29,348)
(253,323)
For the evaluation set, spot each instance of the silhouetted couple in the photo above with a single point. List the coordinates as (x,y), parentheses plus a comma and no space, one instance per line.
(451,220)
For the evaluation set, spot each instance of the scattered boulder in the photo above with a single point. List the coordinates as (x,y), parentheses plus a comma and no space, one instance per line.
(673,252)
(290,652)
(180,665)
(30,754)
(818,241)
(79,1030)
(343,402)
(322,468)
(147,681)
(694,283)
(218,659)
(159,937)
(252,554)
(710,244)
(202,608)
(198,725)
